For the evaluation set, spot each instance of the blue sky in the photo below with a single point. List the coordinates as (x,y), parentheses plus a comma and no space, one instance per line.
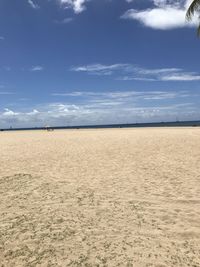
(75,62)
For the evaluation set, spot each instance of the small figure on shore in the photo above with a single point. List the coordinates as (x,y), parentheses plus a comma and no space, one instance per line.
(48,128)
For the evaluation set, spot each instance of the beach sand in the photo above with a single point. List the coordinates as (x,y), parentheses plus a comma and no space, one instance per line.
(113,197)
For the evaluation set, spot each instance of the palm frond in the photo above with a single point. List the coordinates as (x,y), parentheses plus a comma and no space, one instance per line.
(198,30)
(195,6)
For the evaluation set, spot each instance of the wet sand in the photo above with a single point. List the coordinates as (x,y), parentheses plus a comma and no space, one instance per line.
(114,197)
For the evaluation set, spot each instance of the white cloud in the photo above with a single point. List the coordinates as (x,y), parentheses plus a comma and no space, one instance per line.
(32,4)
(2,38)
(99,112)
(128,72)
(34,112)
(164,15)
(37,68)
(91,107)
(9,113)
(51,114)
(77,5)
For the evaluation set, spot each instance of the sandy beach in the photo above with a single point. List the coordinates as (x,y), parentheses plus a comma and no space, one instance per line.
(113,197)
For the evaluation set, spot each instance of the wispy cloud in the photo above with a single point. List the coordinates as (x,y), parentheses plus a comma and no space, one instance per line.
(164,15)
(3,90)
(181,77)
(37,68)
(99,69)
(74,94)
(121,98)
(33,5)
(128,72)
(7,68)
(64,21)
(5,93)
(2,38)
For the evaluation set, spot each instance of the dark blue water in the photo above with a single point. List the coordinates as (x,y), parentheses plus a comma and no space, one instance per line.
(131,125)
